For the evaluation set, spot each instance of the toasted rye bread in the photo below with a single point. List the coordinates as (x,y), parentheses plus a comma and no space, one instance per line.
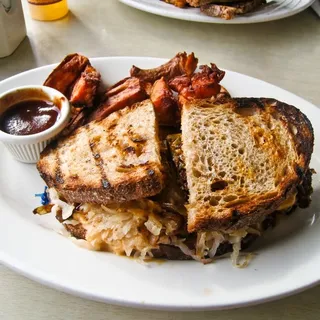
(243,158)
(113,160)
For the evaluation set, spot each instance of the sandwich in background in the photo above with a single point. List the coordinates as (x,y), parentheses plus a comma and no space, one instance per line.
(225,9)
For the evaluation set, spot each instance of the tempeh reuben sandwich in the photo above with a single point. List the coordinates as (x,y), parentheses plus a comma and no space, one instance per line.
(241,161)
(190,173)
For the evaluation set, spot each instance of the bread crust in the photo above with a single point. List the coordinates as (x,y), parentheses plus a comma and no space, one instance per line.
(304,138)
(300,130)
(149,185)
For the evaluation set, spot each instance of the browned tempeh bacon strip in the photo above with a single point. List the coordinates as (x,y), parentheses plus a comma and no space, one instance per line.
(189,63)
(202,85)
(179,83)
(85,89)
(78,119)
(165,105)
(177,3)
(67,72)
(124,93)
(180,64)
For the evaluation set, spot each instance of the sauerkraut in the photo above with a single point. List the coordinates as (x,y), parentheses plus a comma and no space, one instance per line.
(136,228)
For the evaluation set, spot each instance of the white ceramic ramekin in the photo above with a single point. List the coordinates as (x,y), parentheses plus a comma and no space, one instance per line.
(27,148)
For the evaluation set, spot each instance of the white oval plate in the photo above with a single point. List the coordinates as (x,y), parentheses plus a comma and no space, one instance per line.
(274,10)
(287,260)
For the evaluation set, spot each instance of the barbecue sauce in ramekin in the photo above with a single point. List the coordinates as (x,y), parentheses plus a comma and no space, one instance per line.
(29,117)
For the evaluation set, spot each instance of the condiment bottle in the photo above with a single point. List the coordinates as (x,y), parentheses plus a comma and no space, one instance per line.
(12,26)
(48,10)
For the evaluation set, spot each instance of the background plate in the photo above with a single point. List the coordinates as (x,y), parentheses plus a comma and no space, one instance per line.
(274,10)
(287,260)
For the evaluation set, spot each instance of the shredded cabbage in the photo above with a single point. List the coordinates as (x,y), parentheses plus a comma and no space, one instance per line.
(67,209)
(136,228)
(153,225)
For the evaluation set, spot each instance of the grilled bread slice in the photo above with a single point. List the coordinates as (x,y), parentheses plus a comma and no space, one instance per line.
(244,157)
(113,160)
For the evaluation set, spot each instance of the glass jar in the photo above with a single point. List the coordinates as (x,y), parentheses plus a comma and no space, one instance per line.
(47,10)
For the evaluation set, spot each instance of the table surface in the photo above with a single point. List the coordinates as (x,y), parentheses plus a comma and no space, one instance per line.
(285,53)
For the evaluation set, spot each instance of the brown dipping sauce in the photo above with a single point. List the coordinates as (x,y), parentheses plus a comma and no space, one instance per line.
(29,117)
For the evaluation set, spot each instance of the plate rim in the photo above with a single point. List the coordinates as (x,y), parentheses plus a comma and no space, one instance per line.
(32,273)
(205,19)
(18,268)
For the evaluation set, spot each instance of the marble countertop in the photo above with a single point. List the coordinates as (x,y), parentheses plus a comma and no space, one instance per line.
(285,53)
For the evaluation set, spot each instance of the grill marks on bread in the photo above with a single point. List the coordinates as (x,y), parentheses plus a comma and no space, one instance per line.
(116,159)
(99,162)
(243,158)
